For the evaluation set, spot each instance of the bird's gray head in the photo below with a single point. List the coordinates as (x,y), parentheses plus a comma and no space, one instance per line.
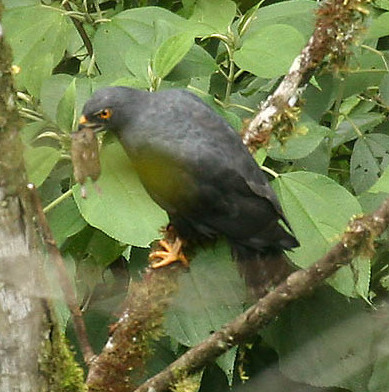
(110,108)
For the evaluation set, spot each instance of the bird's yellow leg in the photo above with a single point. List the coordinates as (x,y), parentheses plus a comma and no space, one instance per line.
(170,254)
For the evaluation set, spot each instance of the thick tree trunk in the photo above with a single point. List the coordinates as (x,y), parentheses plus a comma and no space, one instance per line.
(23,317)
(22,314)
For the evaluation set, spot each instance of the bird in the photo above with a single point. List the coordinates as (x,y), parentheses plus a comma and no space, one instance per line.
(195,166)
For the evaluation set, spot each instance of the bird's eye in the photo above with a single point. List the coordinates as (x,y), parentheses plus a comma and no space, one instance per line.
(105,114)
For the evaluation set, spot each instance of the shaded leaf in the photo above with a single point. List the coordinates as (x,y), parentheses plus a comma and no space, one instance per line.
(346,130)
(210,295)
(325,341)
(384,88)
(369,159)
(66,111)
(39,163)
(65,220)
(53,93)
(197,62)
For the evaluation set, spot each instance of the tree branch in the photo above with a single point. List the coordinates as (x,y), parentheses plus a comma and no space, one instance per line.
(338,24)
(63,278)
(359,236)
(110,370)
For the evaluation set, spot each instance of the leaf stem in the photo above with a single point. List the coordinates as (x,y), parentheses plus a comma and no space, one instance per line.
(58,200)
(270,171)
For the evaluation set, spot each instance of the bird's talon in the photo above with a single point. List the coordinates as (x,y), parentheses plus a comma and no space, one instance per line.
(171,254)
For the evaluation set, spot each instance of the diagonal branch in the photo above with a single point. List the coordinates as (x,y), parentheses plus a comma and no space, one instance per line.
(295,286)
(338,25)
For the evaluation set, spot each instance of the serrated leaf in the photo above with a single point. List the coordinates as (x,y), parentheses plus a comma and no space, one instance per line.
(171,52)
(307,199)
(226,362)
(210,295)
(369,159)
(269,52)
(123,210)
(346,130)
(39,163)
(325,341)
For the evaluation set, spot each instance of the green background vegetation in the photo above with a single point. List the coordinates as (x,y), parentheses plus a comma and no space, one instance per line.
(333,166)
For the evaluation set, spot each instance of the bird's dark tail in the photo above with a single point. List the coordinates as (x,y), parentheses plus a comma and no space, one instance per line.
(261,271)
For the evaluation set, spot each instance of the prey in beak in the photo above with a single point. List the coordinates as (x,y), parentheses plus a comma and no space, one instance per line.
(83,123)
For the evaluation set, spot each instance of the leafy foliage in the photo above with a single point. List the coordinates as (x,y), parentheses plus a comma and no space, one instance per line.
(335,165)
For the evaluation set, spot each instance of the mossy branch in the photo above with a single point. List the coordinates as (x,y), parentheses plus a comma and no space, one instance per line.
(338,25)
(123,359)
(359,236)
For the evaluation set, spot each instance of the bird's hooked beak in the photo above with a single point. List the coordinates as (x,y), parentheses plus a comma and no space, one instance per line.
(83,122)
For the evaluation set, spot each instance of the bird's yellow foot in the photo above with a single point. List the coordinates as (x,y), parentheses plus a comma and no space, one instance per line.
(170,254)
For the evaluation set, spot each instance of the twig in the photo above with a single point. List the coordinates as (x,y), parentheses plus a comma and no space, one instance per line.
(84,36)
(80,28)
(63,277)
(295,286)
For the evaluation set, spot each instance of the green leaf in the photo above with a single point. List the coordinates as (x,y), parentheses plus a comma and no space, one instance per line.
(319,210)
(306,138)
(363,122)
(66,111)
(65,220)
(39,163)
(123,210)
(296,13)
(210,295)
(369,159)
(53,92)
(384,89)
(379,381)
(325,341)
(171,52)
(39,37)
(197,62)
(226,362)
(379,27)
(218,14)
(382,185)
(8,4)
(269,52)
(134,36)
(366,69)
